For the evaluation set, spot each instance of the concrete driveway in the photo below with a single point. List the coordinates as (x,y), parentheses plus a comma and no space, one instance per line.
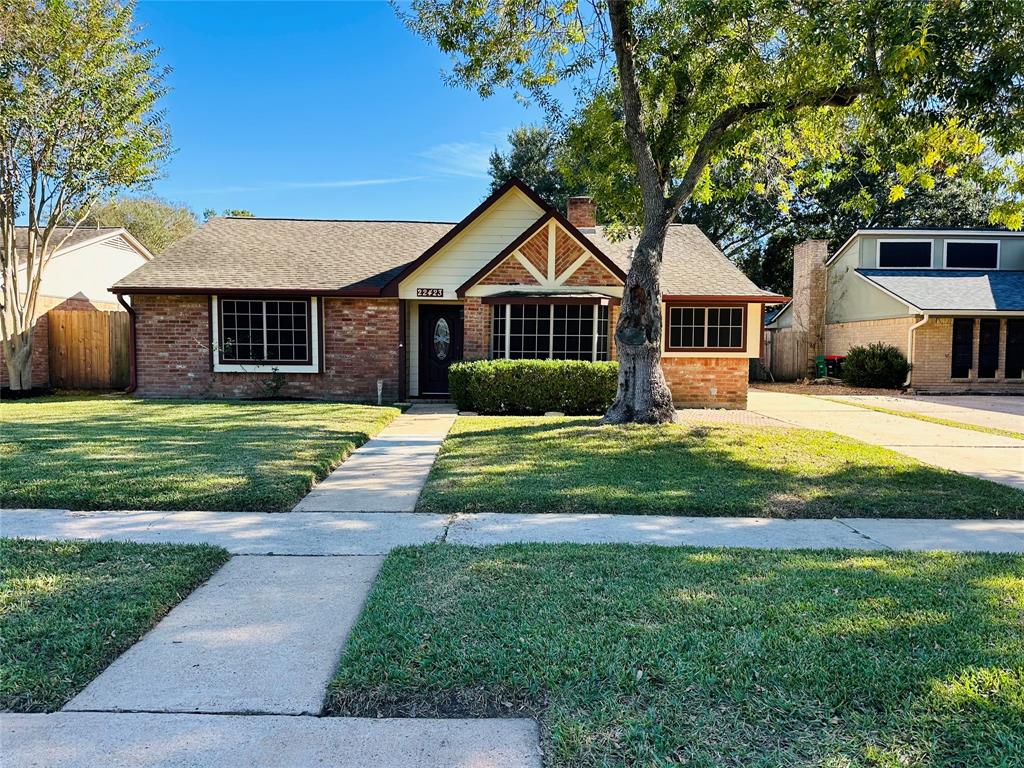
(990,457)
(1000,412)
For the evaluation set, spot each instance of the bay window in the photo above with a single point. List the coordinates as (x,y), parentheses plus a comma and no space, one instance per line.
(539,331)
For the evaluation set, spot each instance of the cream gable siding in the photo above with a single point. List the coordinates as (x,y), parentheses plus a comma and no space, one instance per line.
(88,271)
(849,297)
(476,245)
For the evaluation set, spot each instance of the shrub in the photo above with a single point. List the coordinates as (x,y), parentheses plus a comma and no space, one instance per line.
(526,387)
(876,365)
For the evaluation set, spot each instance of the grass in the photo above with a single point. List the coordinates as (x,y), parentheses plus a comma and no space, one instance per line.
(492,464)
(67,609)
(120,453)
(663,656)
(932,419)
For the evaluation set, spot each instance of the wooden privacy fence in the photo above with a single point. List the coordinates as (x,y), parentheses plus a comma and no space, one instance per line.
(88,350)
(785,353)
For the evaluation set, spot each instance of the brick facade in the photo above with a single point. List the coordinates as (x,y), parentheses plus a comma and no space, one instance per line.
(809,285)
(932,363)
(476,343)
(509,272)
(839,337)
(360,346)
(592,272)
(707,382)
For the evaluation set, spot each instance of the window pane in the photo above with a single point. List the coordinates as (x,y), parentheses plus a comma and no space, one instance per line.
(905,253)
(498,330)
(272,331)
(988,348)
(972,255)
(1014,349)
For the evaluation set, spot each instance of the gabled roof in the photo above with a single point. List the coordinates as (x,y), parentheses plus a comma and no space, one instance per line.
(68,239)
(949,290)
(286,255)
(371,258)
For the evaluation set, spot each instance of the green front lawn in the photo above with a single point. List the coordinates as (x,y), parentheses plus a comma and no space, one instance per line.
(494,464)
(120,453)
(69,608)
(679,656)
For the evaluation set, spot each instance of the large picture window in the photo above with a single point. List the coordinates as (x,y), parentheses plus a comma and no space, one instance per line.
(549,331)
(905,253)
(972,254)
(698,328)
(254,332)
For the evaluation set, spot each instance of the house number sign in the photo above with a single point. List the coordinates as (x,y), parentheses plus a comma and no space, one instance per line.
(433,293)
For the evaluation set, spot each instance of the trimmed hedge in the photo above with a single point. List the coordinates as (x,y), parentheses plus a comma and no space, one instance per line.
(876,365)
(530,387)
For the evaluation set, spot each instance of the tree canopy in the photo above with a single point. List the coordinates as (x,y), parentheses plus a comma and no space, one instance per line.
(156,223)
(533,156)
(79,89)
(704,99)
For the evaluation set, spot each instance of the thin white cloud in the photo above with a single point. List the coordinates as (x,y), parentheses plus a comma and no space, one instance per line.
(277,186)
(459,158)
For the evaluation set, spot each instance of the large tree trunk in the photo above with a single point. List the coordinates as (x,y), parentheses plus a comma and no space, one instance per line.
(643,395)
(18,359)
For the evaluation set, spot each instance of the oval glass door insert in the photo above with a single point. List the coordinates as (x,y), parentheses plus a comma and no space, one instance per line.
(442,339)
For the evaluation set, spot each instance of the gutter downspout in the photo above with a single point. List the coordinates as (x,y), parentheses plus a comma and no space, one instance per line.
(132,382)
(910,346)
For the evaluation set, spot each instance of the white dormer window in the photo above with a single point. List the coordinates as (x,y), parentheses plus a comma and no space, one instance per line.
(904,254)
(972,254)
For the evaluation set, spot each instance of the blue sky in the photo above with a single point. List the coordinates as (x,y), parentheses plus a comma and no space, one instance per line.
(319,110)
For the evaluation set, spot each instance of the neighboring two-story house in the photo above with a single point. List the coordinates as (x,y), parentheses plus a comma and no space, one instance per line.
(951,300)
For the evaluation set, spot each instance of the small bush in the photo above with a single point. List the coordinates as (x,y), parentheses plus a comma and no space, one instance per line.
(876,365)
(530,387)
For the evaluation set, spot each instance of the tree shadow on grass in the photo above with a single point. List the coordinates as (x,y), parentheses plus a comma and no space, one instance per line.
(576,466)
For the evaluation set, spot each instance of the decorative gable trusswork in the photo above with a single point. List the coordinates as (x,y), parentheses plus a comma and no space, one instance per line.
(548,256)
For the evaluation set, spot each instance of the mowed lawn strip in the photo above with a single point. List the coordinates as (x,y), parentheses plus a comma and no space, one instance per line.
(121,453)
(69,608)
(571,465)
(659,656)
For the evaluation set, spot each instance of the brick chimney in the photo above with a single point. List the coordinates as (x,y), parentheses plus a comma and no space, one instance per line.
(581,212)
(809,259)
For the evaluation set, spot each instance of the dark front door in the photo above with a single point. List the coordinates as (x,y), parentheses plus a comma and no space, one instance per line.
(440,346)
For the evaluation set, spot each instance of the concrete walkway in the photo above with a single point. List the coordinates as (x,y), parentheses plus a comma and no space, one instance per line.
(376,534)
(89,740)
(388,472)
(990,457)
(263,635)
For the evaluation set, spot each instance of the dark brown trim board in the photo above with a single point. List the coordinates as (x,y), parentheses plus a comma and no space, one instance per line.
(603,301)
(674,299)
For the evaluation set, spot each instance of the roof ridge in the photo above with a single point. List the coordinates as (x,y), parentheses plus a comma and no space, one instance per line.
(340,221)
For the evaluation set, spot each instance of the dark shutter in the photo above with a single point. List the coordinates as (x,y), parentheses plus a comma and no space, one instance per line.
(988,348)
(1014,349)
(963,347)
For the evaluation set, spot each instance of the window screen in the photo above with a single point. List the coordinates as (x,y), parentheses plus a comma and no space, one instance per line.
(905,253)
(264,331)
(705,327)
(972,255)
(988,348)
(963,348)
(1014,365)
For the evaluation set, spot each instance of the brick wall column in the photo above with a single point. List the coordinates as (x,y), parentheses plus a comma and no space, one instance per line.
(809,296)
(476,329)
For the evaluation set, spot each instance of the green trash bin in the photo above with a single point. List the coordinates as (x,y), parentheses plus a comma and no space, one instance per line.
(820,367)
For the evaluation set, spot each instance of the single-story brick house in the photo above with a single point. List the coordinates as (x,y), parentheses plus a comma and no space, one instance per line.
(339,308)
(951,300)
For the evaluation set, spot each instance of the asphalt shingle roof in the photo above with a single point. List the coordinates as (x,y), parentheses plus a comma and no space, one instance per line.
(80,235)
(340,256)
(938,290)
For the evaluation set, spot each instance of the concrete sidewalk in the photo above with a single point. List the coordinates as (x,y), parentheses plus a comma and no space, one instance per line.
(263,635)
(980,411)
(240,533)
(89,740)
(377,533)
(989,457)
(388,472)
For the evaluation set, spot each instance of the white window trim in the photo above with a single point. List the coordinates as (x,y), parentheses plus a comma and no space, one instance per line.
(931,250)
(999,251)
(551,335)
(219,367)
